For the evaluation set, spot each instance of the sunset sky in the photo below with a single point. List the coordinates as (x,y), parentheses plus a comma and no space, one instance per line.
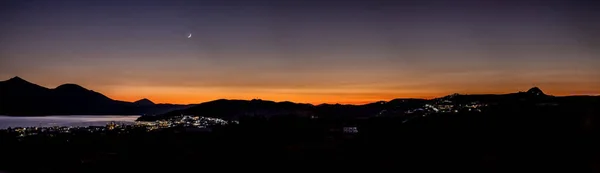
(315,51)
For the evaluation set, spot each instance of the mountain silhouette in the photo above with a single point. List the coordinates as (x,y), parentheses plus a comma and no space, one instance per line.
(17,84)
(19,97)
(75,92)
(236,109)
(144,102)
(536,91)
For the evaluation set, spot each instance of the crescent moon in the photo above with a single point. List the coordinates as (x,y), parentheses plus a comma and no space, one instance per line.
(190,36)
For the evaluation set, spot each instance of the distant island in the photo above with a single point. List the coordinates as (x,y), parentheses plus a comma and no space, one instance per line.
(19,97)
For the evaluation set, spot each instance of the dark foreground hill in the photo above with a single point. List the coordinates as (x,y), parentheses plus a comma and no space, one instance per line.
(19,97)
(524,131)
(525,136)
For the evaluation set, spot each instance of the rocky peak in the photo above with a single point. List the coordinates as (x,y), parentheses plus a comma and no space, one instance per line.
(144,101)
(536,91)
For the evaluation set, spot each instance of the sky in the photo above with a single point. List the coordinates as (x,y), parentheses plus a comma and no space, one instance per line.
(312,51)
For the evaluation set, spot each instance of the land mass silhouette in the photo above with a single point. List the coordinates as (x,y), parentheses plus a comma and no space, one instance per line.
(479,132)
(19,97)
(239,109)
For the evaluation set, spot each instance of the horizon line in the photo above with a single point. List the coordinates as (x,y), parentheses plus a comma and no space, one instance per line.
(312,103)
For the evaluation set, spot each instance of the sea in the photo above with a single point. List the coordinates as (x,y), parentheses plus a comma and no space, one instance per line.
(62,120)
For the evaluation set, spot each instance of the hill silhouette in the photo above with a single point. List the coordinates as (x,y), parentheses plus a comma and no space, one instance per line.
(236,109)
(536,91)
(144,102)
(19,97)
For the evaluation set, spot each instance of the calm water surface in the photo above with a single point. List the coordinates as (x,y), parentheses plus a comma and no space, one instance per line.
(71,120)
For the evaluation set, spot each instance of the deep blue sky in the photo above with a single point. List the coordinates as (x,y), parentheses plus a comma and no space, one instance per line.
(311,50)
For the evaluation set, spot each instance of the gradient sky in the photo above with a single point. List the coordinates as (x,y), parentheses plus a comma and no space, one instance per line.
(314,51)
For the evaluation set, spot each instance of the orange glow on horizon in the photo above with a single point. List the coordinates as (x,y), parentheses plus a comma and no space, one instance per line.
(359,98)
(191,95)
(337,88)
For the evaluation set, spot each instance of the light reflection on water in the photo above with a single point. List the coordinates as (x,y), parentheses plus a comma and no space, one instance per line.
(71,120)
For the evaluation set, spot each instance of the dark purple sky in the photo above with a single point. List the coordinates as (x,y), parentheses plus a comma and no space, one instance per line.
(311,50)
